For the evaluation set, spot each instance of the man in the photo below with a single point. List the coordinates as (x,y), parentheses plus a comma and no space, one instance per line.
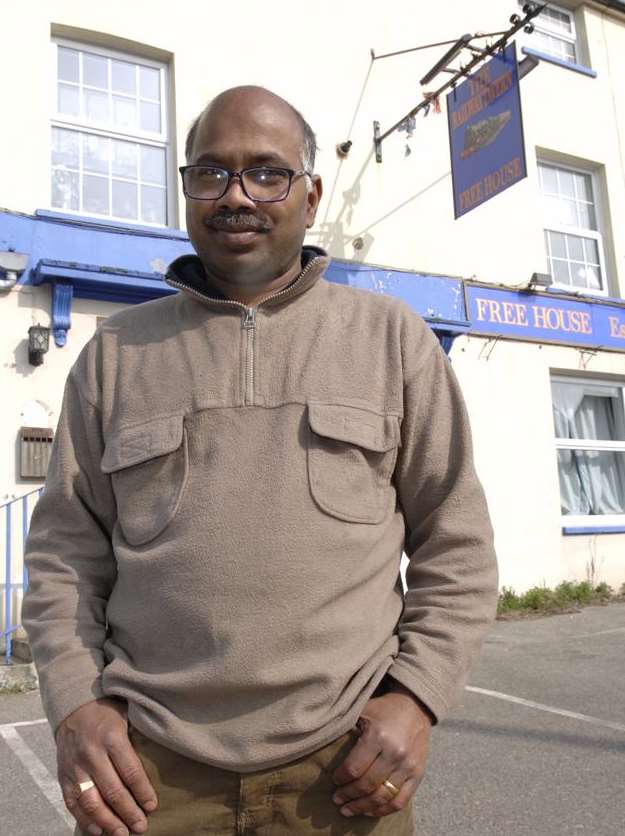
(215,606)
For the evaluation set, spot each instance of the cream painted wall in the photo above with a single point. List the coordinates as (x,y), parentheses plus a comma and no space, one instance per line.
(20,382)
(318,57)
(507,388)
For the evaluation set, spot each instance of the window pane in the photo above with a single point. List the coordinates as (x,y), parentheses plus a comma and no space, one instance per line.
(95,194)
(67,64)
(69,100)
(153,205)
(95,71)
(150,116)
(96,106)
(561,272)
(549,179)
(592,481)
(578,273)
(576,247)
(542,42)
(65,148)
(559,20)
(149,83)
(124,112)
(65,190)
(586,411)
(124,199)
(153,165)
(593,278)
(591,250)
(95,153)
(124,77)
(583,184)
(569,52)
(558,245)
(567,183)
(124,159)
(587,218)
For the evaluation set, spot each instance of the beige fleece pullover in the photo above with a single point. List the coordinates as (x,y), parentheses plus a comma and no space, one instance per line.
(220,534)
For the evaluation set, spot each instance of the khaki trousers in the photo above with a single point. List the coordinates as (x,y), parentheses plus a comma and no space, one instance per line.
(292,800)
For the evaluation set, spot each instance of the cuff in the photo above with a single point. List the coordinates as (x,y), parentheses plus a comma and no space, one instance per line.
(431,701)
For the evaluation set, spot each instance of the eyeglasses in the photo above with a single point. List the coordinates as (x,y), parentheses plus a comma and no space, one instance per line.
(260,184)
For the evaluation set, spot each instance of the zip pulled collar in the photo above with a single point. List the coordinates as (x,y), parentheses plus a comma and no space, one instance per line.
(187,274)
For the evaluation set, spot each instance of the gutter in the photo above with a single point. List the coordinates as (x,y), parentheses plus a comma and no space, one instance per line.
(614,5)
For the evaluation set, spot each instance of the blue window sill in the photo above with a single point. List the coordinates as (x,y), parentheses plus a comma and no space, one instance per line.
(599,529)
(116,226)
(544,56)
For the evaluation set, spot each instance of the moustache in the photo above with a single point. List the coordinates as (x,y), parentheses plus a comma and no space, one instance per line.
(237,222)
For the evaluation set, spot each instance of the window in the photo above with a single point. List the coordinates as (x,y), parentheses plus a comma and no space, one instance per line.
(572,238)
(109,135)
(554,33)
(589,423)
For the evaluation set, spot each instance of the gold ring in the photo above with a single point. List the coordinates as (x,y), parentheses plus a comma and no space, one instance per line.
(389,785)
(81,787)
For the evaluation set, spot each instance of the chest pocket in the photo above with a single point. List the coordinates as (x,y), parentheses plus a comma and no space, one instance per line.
(351,458)
(149,466)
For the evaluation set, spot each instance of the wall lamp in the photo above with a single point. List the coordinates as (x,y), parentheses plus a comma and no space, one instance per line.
(38,344)
(540,280)
(529,63)
(342,149)
(12,264)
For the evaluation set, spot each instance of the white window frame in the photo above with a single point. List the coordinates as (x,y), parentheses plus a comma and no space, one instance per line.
(580,232)
(589,520)
(542,24)
(79,124)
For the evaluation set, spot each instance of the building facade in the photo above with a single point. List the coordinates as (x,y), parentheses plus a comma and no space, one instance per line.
(98,109)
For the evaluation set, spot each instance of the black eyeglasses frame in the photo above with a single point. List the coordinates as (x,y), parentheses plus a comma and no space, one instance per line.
(293,173)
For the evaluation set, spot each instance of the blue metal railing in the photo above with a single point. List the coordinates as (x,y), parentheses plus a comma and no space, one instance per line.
(16,515)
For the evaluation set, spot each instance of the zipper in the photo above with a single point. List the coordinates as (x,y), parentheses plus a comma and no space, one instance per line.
(248,324)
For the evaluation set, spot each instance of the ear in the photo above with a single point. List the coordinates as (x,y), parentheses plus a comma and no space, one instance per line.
(313,198)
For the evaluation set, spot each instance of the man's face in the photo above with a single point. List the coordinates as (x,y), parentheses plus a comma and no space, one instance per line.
(265,240)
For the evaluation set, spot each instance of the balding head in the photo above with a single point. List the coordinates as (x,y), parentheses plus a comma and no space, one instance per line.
(248,97)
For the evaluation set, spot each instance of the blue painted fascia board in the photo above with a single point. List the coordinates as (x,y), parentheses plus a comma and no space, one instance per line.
(434,297)
(560,62)
(107,283)
(56,237)
(87,222)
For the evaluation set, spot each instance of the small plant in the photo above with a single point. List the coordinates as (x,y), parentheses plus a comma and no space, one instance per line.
(538,598)
(604,591)
(546,600)
(508,600)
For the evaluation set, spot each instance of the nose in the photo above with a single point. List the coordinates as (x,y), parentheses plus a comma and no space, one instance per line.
(235,197)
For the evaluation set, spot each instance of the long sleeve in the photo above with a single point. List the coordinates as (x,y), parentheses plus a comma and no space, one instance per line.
(452,573)
(71,566)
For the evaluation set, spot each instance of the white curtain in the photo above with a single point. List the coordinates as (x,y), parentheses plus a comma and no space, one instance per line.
(591,481)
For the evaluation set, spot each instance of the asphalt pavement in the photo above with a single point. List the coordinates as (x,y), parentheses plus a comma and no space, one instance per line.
(536,747)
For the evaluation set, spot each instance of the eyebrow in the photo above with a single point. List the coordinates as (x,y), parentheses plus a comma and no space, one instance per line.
(262,158)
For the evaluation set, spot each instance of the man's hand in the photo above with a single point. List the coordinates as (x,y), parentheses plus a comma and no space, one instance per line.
(393,747)
(93,745)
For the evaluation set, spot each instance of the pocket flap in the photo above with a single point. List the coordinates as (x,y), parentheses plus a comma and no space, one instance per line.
(134,445)
(355,426)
